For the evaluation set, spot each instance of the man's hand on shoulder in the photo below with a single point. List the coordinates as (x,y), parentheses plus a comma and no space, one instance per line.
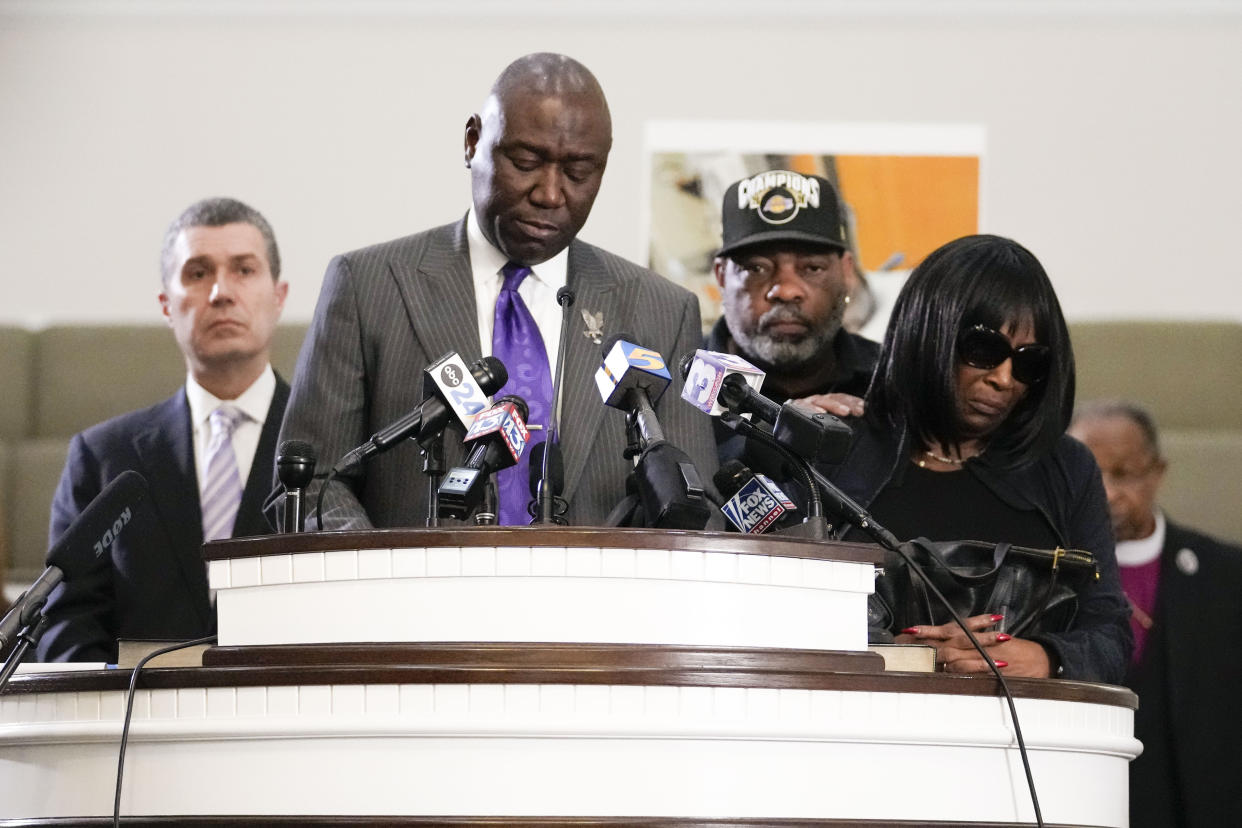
(839,405)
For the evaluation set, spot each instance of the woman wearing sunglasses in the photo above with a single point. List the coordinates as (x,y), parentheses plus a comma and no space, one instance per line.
(964,439)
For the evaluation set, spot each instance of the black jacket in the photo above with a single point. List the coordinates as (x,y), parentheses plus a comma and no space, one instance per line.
(1188,774)
(1065,489)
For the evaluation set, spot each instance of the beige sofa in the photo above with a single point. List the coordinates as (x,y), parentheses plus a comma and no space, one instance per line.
(62,379)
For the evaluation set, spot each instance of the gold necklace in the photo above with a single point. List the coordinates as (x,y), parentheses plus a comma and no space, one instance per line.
(949,461)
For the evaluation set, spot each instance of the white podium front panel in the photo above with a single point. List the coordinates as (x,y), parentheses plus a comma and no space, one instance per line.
(597,594)
(565,749)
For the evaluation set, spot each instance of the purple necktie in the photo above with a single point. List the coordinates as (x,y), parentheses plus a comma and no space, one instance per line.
(517,343)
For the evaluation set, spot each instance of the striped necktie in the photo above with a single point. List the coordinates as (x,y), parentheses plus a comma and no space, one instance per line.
(222,490)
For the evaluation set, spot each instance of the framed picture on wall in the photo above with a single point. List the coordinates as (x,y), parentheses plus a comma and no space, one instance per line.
(906,189)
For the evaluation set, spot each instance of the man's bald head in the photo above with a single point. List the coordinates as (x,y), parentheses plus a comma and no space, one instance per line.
(537,153)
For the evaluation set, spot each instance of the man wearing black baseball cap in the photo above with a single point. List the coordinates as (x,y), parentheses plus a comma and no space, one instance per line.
(783,271)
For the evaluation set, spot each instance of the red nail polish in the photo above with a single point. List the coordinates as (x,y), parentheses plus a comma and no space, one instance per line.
(1003,637)
(998,618)
(1002,664)
(911,631)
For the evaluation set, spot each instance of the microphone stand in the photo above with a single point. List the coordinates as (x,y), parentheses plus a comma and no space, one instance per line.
(27,638)
(434,468)
(545,507)
(848,509)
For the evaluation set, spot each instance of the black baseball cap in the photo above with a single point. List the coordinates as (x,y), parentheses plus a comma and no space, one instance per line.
(781,205)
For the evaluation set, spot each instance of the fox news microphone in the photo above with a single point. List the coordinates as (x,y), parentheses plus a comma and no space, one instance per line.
(295,467)
(753,503)
(632,379)
(449,391)
(495,441)
(717,383)
(90,536)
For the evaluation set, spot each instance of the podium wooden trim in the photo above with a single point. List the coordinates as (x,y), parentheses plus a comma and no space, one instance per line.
(545,536)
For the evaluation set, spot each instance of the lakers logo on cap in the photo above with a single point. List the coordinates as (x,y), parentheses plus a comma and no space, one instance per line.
(777,196)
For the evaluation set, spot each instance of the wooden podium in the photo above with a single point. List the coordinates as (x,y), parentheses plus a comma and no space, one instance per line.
(554,676)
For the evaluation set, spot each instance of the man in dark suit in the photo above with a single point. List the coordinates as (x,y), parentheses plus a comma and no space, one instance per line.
(1185,591)
(536,153)
(222,296)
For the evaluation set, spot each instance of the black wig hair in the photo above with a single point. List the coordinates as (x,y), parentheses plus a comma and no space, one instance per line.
(974,280)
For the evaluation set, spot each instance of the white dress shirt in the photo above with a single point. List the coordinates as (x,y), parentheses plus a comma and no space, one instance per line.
(537,290)
(254,401)
(1144,550)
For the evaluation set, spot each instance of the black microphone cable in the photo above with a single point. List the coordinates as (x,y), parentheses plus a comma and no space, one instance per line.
(129,713)
(855,514)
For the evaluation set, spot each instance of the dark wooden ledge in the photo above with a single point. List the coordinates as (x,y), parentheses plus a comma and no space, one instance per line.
(500,663)
(529,536)
(497,821)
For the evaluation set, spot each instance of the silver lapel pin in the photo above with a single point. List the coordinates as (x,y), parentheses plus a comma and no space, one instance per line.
(594,326)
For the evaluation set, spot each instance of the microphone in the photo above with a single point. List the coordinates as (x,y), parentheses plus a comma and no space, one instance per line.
(546,506)
(448,391)
(295,467)
(632,378)
(547,482)
(495,441)
(717,384)
(90,536)
(753,502)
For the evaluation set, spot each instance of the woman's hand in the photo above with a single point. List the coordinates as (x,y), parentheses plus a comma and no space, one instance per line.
(839,405)
(1014,656)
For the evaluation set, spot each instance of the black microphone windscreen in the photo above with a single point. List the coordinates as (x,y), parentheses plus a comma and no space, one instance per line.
(295,464)
(490,373)
(731,477)
(99,524)
(565,296)
(520,404)
(556,467)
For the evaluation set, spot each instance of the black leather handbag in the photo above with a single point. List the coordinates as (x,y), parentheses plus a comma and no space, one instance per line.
(1035,589)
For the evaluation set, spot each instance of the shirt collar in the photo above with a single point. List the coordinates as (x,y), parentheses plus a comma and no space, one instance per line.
(1144,550)
(486,259)
(254,401)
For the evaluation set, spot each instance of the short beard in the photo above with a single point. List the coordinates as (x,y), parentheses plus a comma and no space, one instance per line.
(782,353)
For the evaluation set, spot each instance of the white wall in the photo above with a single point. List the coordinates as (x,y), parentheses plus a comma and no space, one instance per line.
(1114,129)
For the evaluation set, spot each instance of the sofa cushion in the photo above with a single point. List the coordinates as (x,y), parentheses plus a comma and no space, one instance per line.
(16,380)
(1185,373)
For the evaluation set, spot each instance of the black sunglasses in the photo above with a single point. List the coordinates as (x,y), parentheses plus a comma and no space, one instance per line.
(981,347)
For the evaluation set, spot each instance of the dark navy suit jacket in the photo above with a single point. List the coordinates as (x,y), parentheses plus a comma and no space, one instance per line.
(154,584)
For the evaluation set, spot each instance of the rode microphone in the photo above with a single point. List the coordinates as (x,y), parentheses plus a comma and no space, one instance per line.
(495,441)
(90,536)
(716,384)
(295,467)
(449,391)
(753,503)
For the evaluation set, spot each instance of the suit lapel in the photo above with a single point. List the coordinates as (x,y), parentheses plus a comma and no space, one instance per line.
(437,288)
(250,519)
(166,454)
(596,293)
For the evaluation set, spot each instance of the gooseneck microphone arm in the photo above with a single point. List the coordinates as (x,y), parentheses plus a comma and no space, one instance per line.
(545,504)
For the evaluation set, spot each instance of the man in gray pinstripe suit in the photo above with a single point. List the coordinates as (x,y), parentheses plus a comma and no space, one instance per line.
(536,153)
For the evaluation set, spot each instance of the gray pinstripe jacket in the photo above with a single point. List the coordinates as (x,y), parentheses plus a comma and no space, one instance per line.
(386,311)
